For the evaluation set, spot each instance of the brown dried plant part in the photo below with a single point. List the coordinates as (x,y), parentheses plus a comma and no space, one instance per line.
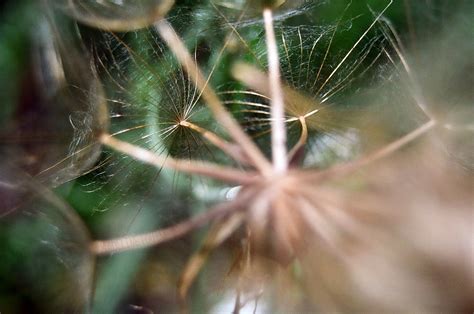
(279,204)
(288,205)
(413,252)
(218,233)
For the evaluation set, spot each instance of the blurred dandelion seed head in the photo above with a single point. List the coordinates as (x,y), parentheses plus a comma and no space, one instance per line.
(342,229)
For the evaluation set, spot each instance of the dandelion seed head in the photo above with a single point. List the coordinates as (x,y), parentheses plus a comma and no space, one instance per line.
(334,216)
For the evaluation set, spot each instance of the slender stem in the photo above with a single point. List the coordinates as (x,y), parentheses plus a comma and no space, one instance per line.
(162,235)
(229,148)
(218,234)
(302,140)
(349,167)
(279,156)
(187,166)
(221,114)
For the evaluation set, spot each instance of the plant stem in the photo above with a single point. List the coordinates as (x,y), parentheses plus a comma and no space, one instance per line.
(218,234)
(385,151)
(162,235)
(187,166)
(302,140)
(279,155)
(229,148)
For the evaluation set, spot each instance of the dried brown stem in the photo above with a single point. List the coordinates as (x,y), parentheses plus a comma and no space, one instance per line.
(127,243)
(230,149)
(187,166)
(301,141)
(159,236)
(344,169)
(218,234)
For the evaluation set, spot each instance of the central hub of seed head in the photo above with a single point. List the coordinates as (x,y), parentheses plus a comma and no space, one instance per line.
(273,216)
